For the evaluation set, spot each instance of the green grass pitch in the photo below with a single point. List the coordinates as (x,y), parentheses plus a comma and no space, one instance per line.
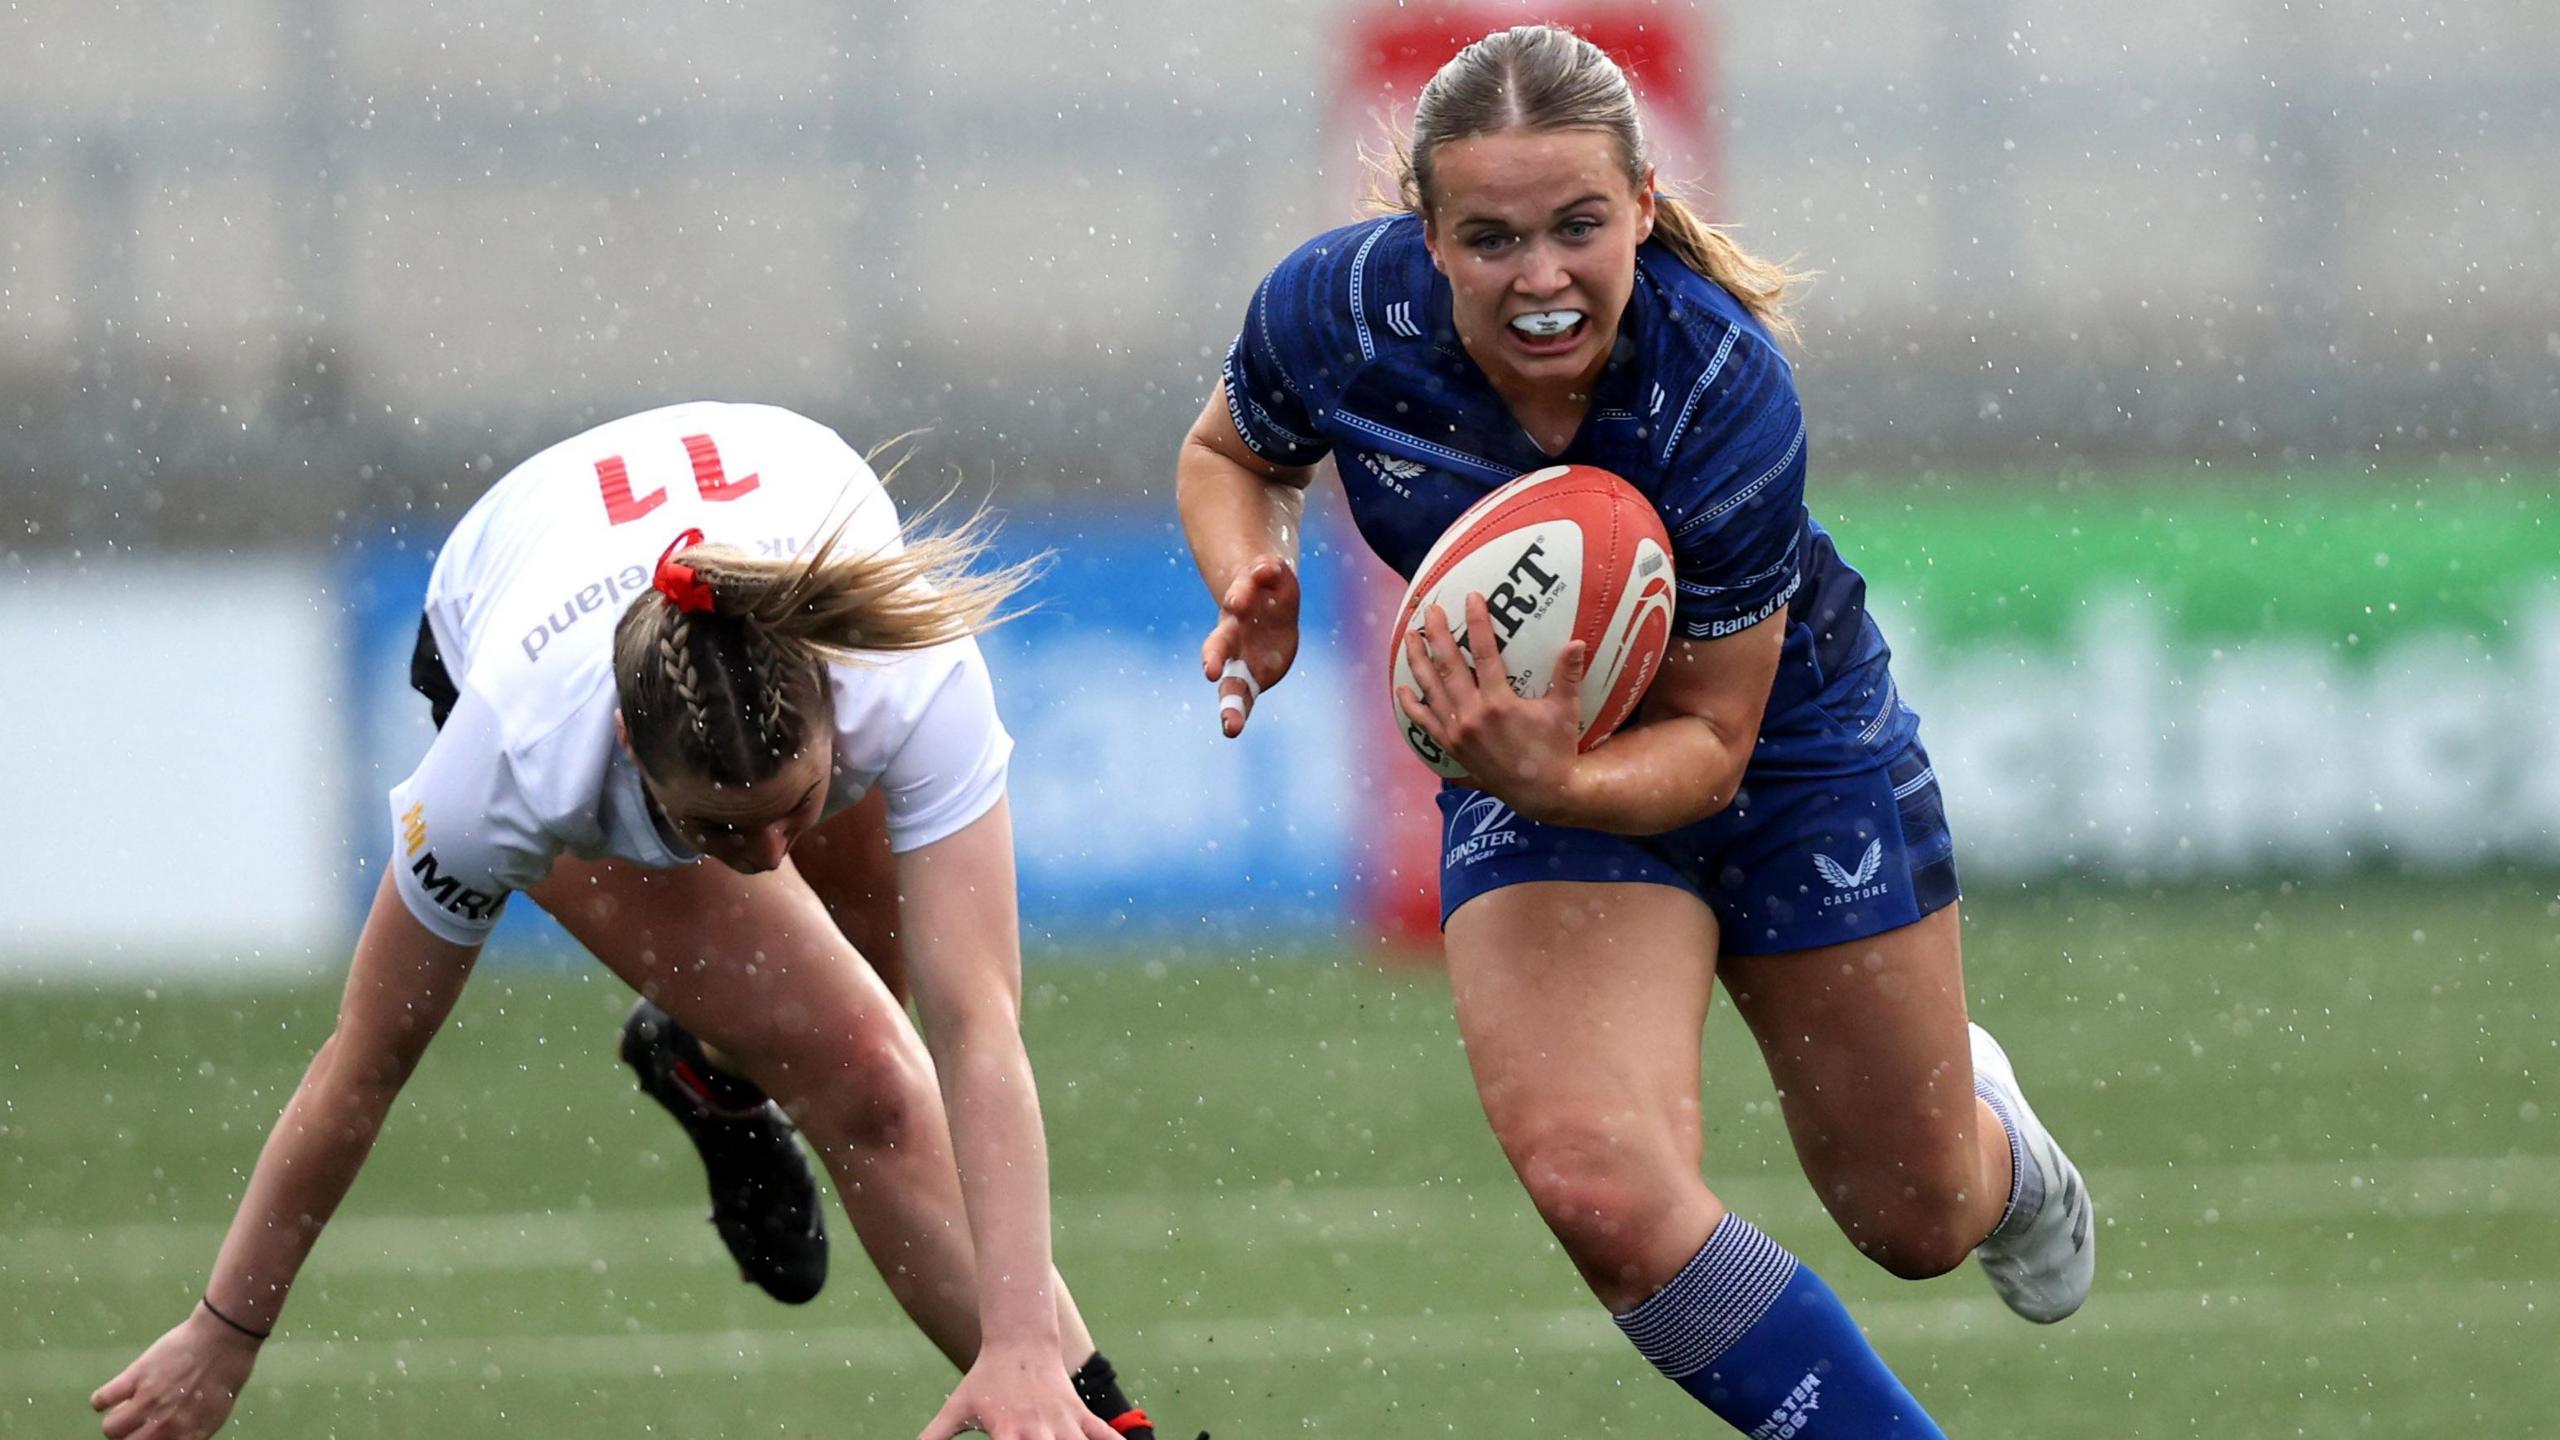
(2317,1119)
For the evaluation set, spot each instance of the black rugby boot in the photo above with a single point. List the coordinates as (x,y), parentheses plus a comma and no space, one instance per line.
(764,1200)
(1098,1386)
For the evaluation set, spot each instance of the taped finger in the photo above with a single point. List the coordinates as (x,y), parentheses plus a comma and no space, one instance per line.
(1236,694)
(1238,670)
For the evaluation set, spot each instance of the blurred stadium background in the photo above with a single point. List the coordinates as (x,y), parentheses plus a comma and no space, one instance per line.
(2185,377)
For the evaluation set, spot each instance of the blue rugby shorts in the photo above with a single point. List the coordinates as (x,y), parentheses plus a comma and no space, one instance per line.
(1795,863)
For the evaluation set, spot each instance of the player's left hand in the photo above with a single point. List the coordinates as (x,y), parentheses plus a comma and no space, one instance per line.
(1520,751)
(1017,1393)
(182,1388)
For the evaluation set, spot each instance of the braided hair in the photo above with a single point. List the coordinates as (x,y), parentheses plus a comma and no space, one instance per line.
(732,689)
(721,669)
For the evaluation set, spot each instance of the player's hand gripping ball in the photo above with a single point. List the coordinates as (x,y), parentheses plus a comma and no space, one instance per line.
(1567,553)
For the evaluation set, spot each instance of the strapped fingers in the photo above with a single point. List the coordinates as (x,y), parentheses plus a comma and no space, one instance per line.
(1242,674)
(1237,690)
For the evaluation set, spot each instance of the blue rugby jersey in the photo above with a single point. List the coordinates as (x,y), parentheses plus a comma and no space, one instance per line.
(1349,350)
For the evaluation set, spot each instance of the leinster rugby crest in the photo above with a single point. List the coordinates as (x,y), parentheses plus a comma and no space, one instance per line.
(1482,828)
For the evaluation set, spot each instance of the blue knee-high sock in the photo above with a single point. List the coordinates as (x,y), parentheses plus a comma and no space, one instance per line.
(1755,1336)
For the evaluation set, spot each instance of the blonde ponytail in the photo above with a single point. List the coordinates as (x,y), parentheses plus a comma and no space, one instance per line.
(836,606)
(1761,285)
(729,685)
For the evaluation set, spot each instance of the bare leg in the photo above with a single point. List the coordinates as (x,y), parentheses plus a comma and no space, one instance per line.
(1867,1045)
(848,864)
(1583,1007)
(755,966)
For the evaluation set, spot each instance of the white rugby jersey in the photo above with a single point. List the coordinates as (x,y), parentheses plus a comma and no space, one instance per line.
(523,604)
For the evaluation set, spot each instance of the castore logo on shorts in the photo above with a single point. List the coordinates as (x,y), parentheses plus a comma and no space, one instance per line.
(1852,885)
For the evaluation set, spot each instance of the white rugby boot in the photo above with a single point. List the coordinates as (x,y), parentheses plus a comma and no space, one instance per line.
(2043,1257)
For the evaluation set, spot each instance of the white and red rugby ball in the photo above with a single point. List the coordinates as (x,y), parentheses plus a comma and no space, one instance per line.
(1567,553)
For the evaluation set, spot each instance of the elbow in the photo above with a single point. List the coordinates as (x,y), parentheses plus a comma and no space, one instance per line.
(1195,457)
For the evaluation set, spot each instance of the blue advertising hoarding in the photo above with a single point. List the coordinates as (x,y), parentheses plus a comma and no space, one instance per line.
(1131,810)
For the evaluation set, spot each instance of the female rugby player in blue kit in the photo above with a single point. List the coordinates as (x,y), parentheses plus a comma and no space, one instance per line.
(1770,818)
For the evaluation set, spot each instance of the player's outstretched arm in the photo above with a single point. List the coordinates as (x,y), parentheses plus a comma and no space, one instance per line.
(1241,514)
(399,990)
(965,963)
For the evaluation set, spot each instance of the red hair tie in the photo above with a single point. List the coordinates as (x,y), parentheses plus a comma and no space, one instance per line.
(678,582)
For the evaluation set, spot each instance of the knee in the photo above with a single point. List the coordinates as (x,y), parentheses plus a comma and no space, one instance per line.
(1604,1200)
(858,1093)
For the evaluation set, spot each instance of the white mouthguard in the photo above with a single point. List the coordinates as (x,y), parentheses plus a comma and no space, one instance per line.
(1546,324)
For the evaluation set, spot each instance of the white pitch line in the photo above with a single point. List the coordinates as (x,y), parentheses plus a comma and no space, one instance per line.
(2292,1311)
(447,1246)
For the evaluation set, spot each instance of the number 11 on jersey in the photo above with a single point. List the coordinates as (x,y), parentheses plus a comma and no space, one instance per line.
(621,507)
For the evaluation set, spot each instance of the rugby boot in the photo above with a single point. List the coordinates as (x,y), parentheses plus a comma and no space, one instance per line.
(2044,1256)
(1098,1386)
(764,1200)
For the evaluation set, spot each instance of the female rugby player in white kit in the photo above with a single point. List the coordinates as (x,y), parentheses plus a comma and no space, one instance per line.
(625,698)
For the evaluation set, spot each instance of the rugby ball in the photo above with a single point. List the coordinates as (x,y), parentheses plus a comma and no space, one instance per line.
(1567,553)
